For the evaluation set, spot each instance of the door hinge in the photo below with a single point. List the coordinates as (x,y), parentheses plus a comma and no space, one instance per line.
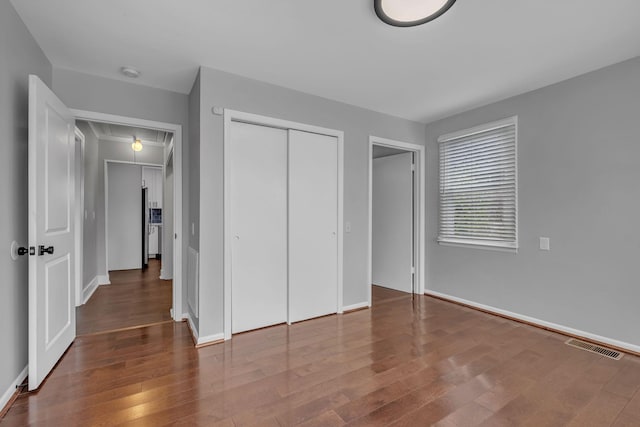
(413,167)
(413,270)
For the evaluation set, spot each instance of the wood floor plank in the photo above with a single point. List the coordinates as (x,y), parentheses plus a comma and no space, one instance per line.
(134,298)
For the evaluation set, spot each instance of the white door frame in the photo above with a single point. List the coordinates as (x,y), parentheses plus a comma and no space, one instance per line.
(238,116)
(176,311)
(79,217)
(419,197)
(106,199)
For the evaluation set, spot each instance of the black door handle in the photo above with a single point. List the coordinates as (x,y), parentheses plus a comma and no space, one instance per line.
(42,250)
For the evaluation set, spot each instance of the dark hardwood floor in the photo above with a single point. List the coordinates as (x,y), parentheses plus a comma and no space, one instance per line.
(380,294)
(134,298)
(404,362)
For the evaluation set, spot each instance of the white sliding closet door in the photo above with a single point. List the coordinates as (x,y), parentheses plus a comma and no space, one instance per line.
(259,226)
(313,223)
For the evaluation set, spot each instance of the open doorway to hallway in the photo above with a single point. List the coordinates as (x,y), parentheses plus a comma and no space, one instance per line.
(396,220)
(126,227)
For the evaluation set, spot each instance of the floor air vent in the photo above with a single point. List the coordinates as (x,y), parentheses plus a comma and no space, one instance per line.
(611,354)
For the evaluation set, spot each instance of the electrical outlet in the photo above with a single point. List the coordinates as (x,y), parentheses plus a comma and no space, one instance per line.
(545,244)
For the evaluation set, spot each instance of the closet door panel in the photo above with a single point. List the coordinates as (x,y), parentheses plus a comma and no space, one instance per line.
(259,226)
(313,222)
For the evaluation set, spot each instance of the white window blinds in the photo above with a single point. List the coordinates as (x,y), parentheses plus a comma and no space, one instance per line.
(478,186)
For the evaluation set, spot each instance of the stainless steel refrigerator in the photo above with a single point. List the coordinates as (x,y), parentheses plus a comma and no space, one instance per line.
(145,228)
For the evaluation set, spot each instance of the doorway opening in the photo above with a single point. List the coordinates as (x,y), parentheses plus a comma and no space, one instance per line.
(126,262)
(396,220)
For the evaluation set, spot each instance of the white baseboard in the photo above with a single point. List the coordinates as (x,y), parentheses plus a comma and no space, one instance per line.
(6,396)
(355,306)
(543,323)
(164,276)
(180,319)
(89,289)
(104,280)
(208,339)
(204,340)
(194,331)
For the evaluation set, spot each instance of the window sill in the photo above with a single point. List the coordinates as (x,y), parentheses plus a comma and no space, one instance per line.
(461,244)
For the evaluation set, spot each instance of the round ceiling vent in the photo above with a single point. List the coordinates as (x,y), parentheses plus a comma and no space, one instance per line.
(130,72)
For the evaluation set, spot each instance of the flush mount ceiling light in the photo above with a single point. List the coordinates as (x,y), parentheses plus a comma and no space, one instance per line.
(409,13)
(130,72)
(137,145)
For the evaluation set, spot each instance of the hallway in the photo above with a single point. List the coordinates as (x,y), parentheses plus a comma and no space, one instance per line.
(135,298)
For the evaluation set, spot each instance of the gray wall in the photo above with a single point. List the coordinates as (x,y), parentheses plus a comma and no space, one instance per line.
(19,56)
(579,175)
(90,228)
(109,150)
(239,93)
(86,92)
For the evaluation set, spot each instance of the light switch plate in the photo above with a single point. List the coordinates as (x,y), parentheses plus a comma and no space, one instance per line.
(545,244)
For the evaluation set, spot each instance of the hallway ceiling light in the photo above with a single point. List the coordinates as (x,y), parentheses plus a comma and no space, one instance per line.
(408,13)
(137,145)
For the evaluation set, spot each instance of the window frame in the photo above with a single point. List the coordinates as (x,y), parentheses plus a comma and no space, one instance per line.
(510,246)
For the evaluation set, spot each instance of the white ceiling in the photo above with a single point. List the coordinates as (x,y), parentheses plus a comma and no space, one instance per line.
(478,52)
(120,133)
(382,151)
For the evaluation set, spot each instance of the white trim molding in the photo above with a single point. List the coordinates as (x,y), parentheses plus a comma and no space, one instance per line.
(78,190)
(420,202)
(89,289)
(210,339)
(204,340)
(9,392)
(176,129)
(541,323)
(239,116)
(357,306)
(103,280)
(164,276)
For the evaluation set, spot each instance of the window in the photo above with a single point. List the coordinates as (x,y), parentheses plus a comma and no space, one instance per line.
(478,186)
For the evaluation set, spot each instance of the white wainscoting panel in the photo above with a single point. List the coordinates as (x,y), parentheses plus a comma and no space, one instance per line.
(193,275)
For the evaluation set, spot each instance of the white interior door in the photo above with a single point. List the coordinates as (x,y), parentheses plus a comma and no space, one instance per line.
(259,226)
(313,225)
(392,222)
(52,323)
